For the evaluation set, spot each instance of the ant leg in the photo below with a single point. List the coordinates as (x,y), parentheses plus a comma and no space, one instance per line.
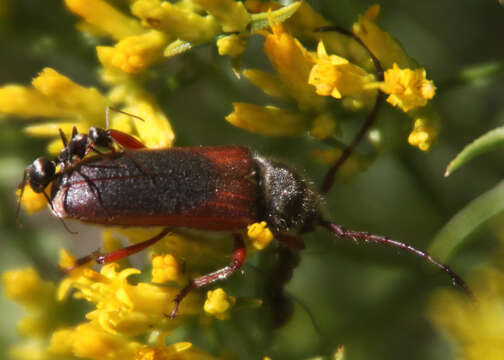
(60,219)
(94,189)
(237,260)
(120,253)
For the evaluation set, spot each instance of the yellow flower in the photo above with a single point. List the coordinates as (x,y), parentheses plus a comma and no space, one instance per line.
(218,303)
(324,126)
(354,165)
(232,45)
(38,297)
(303,23)
(165,268)
(293,63)
(423,135)
(175,21)
(476,327)
(134,53)
(267,120)
(335,76)
(31,201)
(179,351)
(129,309)
(53,95)
(407,89)
(380,43)
(260,235)
(105,19)
(27,288)
(90,341)
(232,15)
(269,83)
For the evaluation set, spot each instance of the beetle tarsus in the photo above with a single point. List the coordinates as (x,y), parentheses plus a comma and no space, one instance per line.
(237,261)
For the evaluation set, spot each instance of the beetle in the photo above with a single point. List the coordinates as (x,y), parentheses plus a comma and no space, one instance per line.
(217,188)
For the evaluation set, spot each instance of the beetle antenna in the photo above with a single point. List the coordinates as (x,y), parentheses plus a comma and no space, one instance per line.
(341,232)
(330,175)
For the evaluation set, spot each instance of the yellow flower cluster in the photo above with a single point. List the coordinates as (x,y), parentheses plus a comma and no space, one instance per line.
(307,78)
(309,83)
(477,328)
(162,29)
(123,311)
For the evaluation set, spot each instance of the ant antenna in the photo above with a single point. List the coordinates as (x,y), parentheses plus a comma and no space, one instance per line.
(331,173)
(107,114)
(341,232)
(63,136)
(118,111)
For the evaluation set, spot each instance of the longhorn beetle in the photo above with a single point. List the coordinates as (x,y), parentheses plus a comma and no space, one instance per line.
(218,188)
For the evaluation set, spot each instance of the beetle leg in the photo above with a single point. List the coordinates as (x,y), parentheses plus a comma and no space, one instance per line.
(118,254)
(237,260)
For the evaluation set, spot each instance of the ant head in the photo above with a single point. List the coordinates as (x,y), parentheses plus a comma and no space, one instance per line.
(76,147)
(40,173)
(99,137)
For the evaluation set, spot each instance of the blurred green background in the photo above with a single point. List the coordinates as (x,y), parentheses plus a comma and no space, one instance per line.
(370,299)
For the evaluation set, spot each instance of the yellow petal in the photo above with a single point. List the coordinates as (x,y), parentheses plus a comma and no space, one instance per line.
(135,53)
(380,43)
(323,126)
(232,45)
(232,15)
(176,21)
(88,102)
(334,76)
(269,83)
(293,64)
(267,120)
(32,202)
(155,131)
(26,287)
(25,102)
(106,18)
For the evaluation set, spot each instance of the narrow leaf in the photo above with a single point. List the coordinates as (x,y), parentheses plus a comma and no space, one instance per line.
(487,142)
(466,221)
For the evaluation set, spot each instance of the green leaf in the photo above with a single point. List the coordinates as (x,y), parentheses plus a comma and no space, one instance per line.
(262,20)
(466,221)
(490,141)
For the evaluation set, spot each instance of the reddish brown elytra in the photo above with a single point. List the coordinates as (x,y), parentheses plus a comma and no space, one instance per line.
(219,188)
